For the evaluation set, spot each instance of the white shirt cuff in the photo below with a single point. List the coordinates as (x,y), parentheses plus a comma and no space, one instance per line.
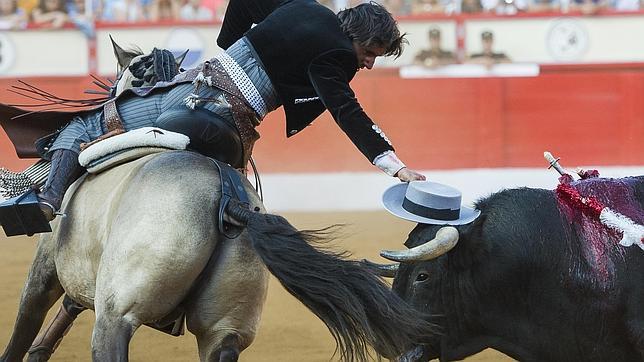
(389,163)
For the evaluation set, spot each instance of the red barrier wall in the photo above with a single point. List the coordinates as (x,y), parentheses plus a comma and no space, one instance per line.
(590,114)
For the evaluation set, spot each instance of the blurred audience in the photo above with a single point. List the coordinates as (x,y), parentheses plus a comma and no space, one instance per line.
(429,7)
(50,13)
(164,10)
(15,14)
(123,11)
(545,5)
(588,6)
(81,16)
(218,7)
(626,5)
(11,16)
(488,56)
(471,6)
(434,56)
(194,10)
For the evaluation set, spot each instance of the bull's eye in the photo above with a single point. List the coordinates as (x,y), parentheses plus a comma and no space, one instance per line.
(422,277)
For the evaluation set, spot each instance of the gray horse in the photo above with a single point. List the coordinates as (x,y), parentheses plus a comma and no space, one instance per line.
(140,242)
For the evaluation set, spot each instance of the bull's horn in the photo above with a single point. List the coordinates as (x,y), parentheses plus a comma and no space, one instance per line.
(446,238)
(384,270)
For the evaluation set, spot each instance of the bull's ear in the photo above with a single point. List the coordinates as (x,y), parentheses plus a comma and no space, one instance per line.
(123,58)
(472,248)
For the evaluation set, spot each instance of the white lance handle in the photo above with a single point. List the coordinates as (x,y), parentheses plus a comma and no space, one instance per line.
(554,163)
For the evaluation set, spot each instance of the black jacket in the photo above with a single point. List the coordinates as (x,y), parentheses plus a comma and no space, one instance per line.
(310,62)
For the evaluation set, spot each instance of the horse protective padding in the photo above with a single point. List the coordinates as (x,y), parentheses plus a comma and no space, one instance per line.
(121,157)
(210,134)
(22,215)
(143,137)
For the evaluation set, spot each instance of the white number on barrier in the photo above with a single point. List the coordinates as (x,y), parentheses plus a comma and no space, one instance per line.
(7,53)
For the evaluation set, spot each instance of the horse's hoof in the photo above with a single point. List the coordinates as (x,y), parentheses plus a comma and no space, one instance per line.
(39,355)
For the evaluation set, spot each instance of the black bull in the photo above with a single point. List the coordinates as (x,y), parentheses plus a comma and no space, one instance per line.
(533,282)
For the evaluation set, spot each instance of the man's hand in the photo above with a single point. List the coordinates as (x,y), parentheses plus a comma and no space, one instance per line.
(406,175)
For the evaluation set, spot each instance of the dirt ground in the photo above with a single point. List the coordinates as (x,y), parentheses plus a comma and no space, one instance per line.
(288,332)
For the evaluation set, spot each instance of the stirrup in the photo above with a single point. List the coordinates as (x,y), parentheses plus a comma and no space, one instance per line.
(22,215)
(48,210)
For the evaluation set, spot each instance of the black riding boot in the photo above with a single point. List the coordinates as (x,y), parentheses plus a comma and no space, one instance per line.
(30,212)
(64,171)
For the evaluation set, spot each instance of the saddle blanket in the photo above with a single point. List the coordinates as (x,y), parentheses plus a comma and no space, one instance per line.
(128,146)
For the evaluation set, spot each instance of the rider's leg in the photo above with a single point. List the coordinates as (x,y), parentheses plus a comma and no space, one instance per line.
(64,171)
(50,337)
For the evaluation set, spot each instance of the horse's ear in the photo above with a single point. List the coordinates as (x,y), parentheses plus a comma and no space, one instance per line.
(122,57)
(181,58)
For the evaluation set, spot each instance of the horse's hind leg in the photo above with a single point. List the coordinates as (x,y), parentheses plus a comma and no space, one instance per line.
(225,310)
(229,350)
(111,337)
(40,292)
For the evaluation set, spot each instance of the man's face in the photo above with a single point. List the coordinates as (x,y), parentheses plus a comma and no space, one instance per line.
(367,55)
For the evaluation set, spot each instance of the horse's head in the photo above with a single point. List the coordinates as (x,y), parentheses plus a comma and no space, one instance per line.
(143,70)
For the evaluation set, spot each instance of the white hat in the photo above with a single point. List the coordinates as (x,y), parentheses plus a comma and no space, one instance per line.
(428,202)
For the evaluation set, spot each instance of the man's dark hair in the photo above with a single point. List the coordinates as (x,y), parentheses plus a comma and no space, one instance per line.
(370,24)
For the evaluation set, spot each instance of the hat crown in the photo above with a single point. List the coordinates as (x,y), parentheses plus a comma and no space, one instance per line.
(434,195)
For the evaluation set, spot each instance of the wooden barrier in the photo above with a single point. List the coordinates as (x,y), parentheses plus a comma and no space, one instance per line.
(589,115)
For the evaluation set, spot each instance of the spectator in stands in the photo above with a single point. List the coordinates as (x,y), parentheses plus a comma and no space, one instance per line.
(194,10)
(546,5)
(588,6)
(487,56)
(81,17)
(471,6)
(504,7)
(164,10)
(397,7)
(428,7)
(50,13)
(28,7)
(435,56)
(626,5)
(123,11)
(218,7)
(11,16)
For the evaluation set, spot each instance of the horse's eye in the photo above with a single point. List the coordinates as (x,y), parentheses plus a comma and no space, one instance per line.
(422,277)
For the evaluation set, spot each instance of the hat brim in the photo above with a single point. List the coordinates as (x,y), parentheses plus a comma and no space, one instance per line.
(393,198)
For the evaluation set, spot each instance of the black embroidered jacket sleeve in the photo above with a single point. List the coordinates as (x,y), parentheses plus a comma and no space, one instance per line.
(240,16)
(331,83)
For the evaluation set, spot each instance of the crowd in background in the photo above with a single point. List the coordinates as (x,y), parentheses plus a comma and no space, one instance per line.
(499,7)
(17,14)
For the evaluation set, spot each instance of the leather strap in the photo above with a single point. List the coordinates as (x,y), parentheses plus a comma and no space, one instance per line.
(231,188)
(111,121)
(111,117)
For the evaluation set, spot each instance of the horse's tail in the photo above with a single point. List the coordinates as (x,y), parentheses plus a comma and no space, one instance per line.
(357,306)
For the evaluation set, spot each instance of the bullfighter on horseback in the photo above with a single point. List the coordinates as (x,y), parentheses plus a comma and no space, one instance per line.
(304,66)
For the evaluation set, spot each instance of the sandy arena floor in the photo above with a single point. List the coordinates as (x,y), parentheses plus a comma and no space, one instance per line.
(288,331)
